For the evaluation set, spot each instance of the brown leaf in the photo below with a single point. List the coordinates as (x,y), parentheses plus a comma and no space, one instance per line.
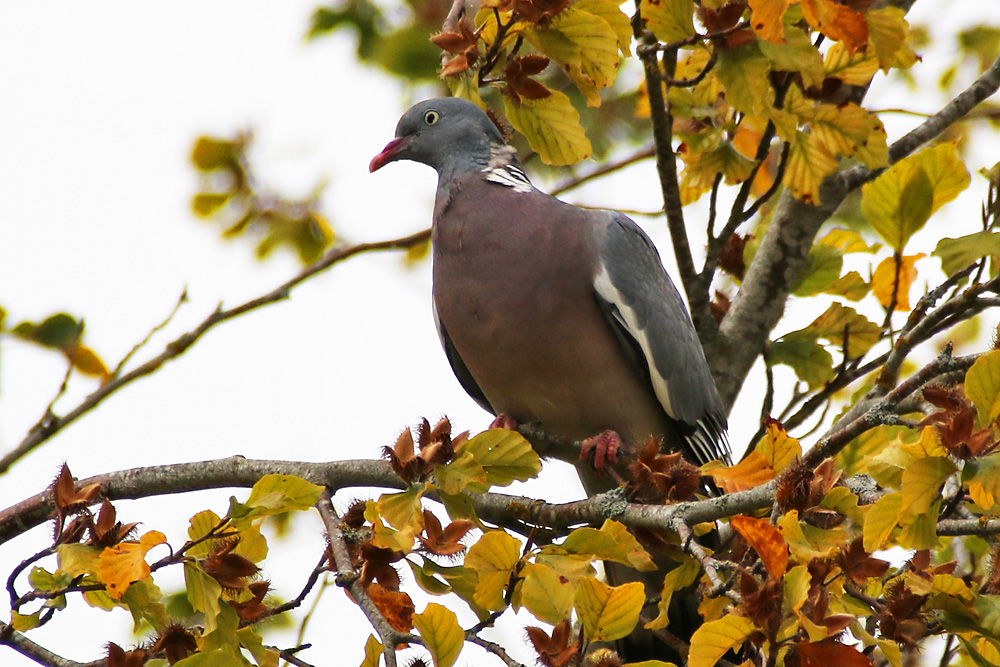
(376,565)
(554,650)
(395,606)
(763,603)
(228,568)
(65,493)
(444,542)
(828,652)
(659,476)
(175,642)
(119,657)
(858,566)
(253,608)
(731,256)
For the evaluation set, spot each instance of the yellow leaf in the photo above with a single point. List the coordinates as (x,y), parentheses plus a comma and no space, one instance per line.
(767,19)
(24,622)
(454,476)
(386,537)
(888,279)
(201,523)
(796,585)
(743,71)
(888,35)
(610,11)
(680,577)
(880,521)
(443,637)
(853,68)
(608,612)
(612,542)
(87,362)
(585,45)
(778,448)
(843,129)
(546,593)
(851,286)
(810,360)
(900,201)
(953,586)
(79,559)
(822,269)
(403,510)
(809,162)
(670,20)
(274,494)
(505,457)
(838,22)
(982,386)
(493,558)
(650,663)
(983,477)
(203,593)
(922,480)
(373,652)
(125,562)
(808,542)
(919,531)
(836,322)
(711,641)
(766,541)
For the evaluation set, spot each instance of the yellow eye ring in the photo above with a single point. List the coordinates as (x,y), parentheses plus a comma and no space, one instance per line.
(432,117)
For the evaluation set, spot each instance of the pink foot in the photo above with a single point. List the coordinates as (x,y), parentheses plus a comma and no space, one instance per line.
(503,420)
(603,448)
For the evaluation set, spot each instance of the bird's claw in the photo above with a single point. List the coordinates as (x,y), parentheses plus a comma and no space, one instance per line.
(603,448)
(504,420)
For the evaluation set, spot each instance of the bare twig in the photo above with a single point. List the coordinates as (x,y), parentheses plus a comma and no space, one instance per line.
(29,649)
(604,170)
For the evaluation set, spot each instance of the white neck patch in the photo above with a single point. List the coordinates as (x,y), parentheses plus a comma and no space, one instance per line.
(502,170)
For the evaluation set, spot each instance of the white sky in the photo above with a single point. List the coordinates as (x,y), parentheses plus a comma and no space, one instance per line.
(101,103)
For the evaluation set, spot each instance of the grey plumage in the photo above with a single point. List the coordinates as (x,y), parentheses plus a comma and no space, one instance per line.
(551,313)
(559,315)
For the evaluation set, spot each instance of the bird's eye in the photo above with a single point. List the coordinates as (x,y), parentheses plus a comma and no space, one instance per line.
(431,117)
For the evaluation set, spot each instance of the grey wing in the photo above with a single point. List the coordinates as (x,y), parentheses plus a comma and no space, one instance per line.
(458,366)
(651,320)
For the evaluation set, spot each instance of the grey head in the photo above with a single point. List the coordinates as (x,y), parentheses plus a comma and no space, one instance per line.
(450,134)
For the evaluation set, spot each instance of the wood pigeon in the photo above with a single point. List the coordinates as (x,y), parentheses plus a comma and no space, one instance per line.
(550,313)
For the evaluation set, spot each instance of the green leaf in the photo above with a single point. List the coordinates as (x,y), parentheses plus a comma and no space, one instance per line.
(810,360)
(373,652)
(505,457)
(552,127)
(743,71)
(956,254)
(205,204)
(443,637)
(795,54)
(275,494)
(454,476)
(60,331)
(216,658)
(24,622)
(851,286)
(899,202)
(204,593)
(821,270)
(670,20)
(982,386)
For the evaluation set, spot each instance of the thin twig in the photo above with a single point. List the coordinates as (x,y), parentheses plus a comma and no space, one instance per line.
(50,424)
(604,170)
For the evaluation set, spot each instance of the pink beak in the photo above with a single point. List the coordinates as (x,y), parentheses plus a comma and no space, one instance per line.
(388,154)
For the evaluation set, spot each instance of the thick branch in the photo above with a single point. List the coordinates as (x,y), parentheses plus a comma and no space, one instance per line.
(765,289)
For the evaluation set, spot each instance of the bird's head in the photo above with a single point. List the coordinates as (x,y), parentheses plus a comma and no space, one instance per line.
(449,134)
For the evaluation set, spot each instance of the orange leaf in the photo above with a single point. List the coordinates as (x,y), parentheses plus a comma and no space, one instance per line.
(126,562)
(838,22)
(396,607)
(767,19)
(766,541)
(750,472)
